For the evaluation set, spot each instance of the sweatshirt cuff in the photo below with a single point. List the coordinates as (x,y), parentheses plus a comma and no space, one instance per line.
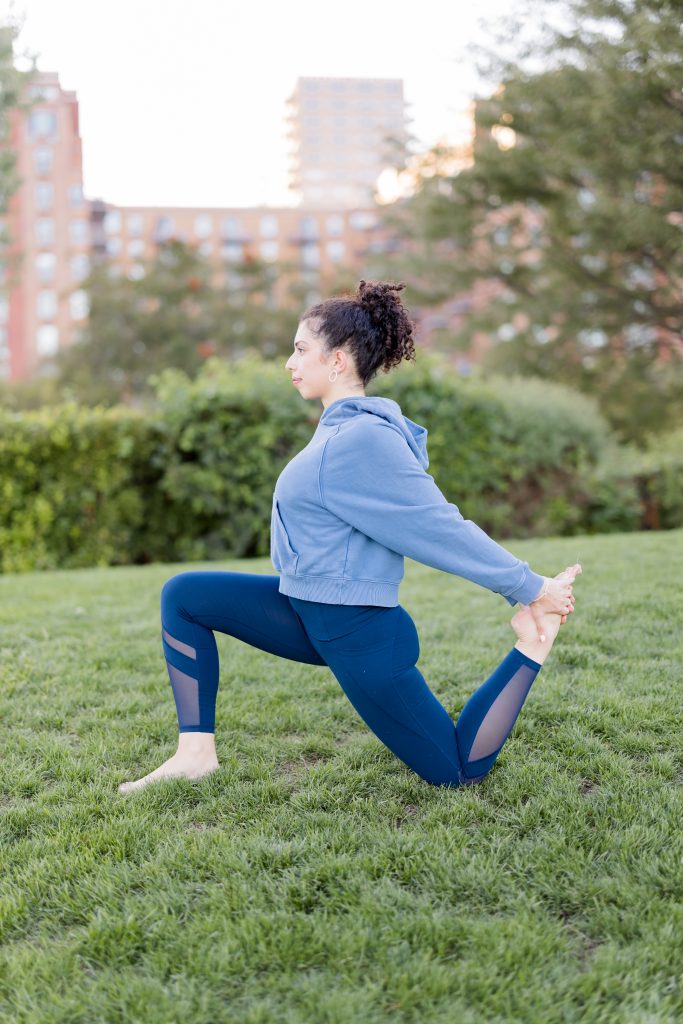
(528,590)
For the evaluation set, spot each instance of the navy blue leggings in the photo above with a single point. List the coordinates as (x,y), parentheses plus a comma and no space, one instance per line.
(371,650)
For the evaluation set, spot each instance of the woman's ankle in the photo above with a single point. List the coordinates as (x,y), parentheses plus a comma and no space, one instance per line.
(197,744)
(534,649)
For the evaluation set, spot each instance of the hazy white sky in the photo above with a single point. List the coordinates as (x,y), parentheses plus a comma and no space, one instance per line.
(184,103)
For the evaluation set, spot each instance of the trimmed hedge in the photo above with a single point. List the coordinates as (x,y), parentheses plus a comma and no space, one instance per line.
(192,478)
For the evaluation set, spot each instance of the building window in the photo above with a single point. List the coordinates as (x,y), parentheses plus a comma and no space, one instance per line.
(42,124)
(46,305)
(205,248)
(231,228)
(335,250)
(269,250)
(79,305)
(80,266)
(335,224)
(135,224)
(268,226)
(79,231)
(309,227)
(42,160)
(203,225)
(75,195)
(47,340)
(112,222)
(310,255)
(231,250)
(113,246)
(342,193)
(136,247)
(136,272)
(361,219)
(164,229)
(45,267)
(44,92)
(44,195)
(45,231)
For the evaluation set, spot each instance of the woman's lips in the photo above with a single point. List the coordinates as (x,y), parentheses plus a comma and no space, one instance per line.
(296,380)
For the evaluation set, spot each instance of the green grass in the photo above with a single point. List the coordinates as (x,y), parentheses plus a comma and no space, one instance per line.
(314,877)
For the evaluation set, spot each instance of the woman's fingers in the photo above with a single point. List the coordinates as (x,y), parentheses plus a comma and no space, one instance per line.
(565,615)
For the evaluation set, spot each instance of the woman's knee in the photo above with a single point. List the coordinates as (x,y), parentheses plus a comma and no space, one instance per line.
(173,589)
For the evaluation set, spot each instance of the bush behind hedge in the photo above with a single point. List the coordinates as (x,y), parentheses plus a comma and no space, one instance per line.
(192,478)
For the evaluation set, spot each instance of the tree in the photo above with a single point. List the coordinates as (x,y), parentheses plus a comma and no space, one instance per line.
(573,204)
(176,315)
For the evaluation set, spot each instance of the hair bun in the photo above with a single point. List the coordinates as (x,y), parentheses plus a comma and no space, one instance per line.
(375,298)
(373,325)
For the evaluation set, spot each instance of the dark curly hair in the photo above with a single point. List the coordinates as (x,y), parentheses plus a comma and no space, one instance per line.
(373,323)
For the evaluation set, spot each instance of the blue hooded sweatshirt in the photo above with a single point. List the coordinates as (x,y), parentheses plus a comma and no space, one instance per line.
(357,499)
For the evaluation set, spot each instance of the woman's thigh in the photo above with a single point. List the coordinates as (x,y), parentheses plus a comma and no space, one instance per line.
(372,651)
(247,606)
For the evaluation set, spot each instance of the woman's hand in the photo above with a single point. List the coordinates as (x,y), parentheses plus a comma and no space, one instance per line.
(555,597)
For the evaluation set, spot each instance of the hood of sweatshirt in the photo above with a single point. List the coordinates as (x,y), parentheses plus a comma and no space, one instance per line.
(386,408)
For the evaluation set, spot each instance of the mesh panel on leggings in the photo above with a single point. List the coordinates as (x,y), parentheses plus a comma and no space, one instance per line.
(186,694)
(179,645)
(501,716)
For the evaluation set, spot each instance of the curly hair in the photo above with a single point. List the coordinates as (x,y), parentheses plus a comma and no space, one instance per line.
(374,324)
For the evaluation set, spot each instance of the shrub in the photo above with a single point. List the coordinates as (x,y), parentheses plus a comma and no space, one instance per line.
(193,478)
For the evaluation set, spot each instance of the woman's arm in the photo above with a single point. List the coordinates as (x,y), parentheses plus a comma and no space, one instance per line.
(372,481)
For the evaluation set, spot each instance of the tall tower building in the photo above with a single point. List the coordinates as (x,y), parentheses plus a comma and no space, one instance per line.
(343,133)
(48,227)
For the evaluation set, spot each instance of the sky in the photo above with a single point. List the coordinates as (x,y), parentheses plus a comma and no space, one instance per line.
(183,104)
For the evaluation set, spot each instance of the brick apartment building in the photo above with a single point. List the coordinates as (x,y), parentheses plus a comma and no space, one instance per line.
(342,132)
(48,228)
(58,234)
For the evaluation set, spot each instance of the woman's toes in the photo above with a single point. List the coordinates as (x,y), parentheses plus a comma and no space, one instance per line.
(128,787)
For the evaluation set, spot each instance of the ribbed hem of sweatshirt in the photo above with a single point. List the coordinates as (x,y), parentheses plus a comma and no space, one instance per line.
(528,590)
(335,590)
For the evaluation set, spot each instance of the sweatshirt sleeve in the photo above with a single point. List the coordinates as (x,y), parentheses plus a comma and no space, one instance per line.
(380,488)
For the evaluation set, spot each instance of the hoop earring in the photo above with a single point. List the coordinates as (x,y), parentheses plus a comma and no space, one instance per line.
(331,378)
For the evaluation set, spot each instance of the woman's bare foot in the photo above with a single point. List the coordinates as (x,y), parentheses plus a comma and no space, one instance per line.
(526,628)
(194,758)
(529,626)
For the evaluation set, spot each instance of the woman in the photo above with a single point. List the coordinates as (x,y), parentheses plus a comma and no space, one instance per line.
(346,510)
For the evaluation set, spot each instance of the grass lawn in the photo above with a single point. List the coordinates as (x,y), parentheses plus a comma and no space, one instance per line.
(314,877)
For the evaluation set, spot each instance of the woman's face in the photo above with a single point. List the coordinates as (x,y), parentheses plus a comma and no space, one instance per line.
(308,365)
